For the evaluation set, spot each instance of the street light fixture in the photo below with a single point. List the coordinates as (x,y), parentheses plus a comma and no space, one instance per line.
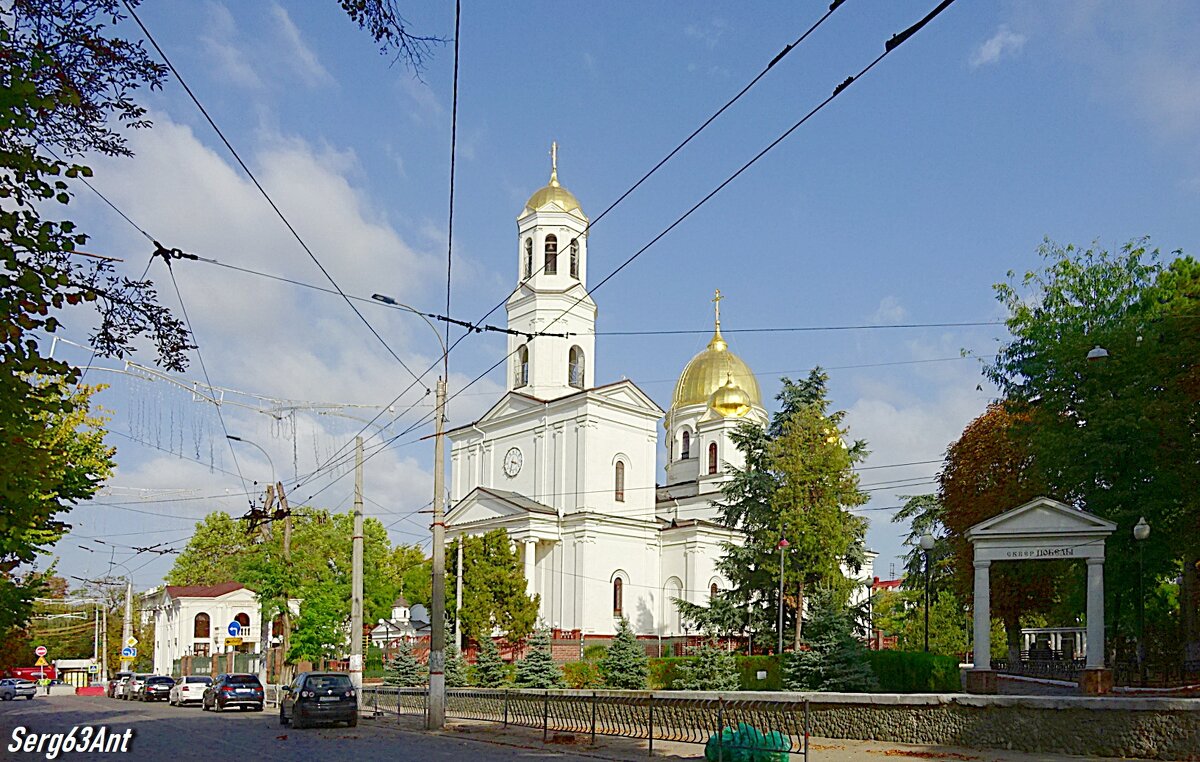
(1141,531)
(1097,353)
(259,448)
(435,717)
(783,545)
(927,543)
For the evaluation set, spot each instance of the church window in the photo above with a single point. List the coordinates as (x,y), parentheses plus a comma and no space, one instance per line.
(575,368)
(712,458)
(619,479)
(618,596)
(200,626)
(521,370)
(575,259)
(527,271)
(551,267)
(687,446)
(712,591)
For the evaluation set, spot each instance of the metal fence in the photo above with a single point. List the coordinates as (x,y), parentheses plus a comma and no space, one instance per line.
(729,725)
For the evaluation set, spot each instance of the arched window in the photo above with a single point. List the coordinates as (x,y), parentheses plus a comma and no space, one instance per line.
(243,619)
(618,596)
(575,367)
(521,368)
(619,482)
(687,446)
(551,267)
(575,259)
(528,268)
(712,591)
(712,458)
(200,626)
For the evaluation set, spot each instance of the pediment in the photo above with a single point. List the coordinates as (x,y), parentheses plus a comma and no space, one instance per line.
(483,504)
(1041,516)
(510,404)
(626,392)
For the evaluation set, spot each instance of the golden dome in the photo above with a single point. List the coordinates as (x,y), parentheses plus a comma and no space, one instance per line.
(730,401)
(712,370)
(553,193)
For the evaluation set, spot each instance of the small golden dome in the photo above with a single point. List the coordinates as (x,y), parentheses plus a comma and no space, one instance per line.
(713,369)
(730,401)
(553,193)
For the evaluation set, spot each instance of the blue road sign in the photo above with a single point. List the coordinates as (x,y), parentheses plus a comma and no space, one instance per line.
(235,629)
(129,652)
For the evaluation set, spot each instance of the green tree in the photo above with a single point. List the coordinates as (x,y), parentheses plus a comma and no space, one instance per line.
(402,669)
(710,668)
(834,659)
(456,668)
(625,665)
(319,630)
(1120,437)
(217,551)
(494,586)
(537,669)
(490,670)
(798,483)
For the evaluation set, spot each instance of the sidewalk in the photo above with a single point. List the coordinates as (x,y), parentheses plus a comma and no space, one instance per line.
(616,748)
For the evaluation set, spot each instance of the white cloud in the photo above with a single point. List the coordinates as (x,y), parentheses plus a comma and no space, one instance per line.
(890,311)
(710,34)
(220,41)
(298,52)
(1005,42)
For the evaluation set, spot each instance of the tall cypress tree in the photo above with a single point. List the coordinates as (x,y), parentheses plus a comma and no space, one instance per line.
(490,669)
(625,665)
(537,669)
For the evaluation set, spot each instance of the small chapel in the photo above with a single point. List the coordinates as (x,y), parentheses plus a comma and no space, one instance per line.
(569,468)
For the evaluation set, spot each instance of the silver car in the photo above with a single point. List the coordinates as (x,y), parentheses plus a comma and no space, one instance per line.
(14,688)
(189,689)
(134,686)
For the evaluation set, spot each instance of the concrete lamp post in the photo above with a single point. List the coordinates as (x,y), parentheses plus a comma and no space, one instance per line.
(927,543)
(1141,531)
(783,546)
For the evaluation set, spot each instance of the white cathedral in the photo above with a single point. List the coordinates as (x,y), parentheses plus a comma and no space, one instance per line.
(568,468)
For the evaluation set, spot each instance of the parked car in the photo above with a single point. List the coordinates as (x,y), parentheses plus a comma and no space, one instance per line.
(14,688)
(110,689)
(134,685)
(319,697)
(122,686)
(240,690)
(189,689)
(156,688)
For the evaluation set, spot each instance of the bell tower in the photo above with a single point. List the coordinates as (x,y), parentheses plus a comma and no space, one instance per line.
(551,296)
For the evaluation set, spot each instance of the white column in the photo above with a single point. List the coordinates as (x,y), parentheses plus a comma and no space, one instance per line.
(983,616)
(530,556)
(1095,613)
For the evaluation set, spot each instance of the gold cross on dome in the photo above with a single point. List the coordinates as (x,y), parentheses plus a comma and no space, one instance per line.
(554,156)
(716,300)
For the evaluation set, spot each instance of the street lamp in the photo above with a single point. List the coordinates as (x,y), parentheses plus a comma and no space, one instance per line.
(927,543)
(435,717)
(1141,531)
(783,545)
(259,448)
(1097,353)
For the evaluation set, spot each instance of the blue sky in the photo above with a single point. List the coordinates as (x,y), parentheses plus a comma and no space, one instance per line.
(998,125)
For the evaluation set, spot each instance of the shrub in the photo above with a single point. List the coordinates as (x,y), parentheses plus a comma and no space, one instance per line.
(915,672)
(712,668)
(835,660)
(750,666)
(582,674)
(595,652)
(490,670)
(664,672)
(537,669)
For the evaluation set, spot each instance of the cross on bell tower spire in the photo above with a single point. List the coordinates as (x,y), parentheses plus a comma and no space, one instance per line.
(554,163)
(716,300)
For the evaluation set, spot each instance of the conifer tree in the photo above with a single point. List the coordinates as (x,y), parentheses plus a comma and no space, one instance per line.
(403,670)
(490,669)
(711,668)
(456,667)
(537,669)
(625,664)
(835,659)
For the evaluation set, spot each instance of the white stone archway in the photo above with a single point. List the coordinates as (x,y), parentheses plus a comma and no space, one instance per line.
(1042,529)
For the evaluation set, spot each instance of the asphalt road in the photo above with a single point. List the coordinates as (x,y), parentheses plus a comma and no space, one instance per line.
(162,732)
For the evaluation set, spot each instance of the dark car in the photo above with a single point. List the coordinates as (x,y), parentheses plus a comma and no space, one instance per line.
(240,690)
(112,683)
(319,697)
(156,688)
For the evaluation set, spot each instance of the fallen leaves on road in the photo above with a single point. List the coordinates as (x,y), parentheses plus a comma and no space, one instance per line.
(281,738)
(923,754)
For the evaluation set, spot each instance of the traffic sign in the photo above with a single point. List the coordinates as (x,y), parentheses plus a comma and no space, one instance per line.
(233,641)
(131,641)
(41,662)
(128,652)
(93,668)
(41,651)
(234,628)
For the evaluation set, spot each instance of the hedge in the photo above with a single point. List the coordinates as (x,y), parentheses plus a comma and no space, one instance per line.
(915,672)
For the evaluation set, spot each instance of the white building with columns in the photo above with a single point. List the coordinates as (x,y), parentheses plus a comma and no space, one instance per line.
(569,469)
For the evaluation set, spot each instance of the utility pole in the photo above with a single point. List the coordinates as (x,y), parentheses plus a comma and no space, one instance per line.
(264,641)
(285,619)
(356,590)
(436,718)
(127,628)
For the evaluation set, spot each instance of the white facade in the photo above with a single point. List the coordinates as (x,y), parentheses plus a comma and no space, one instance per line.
(569,468)
(194,620)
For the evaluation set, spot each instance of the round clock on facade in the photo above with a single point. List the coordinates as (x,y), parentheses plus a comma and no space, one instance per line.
(512,462)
